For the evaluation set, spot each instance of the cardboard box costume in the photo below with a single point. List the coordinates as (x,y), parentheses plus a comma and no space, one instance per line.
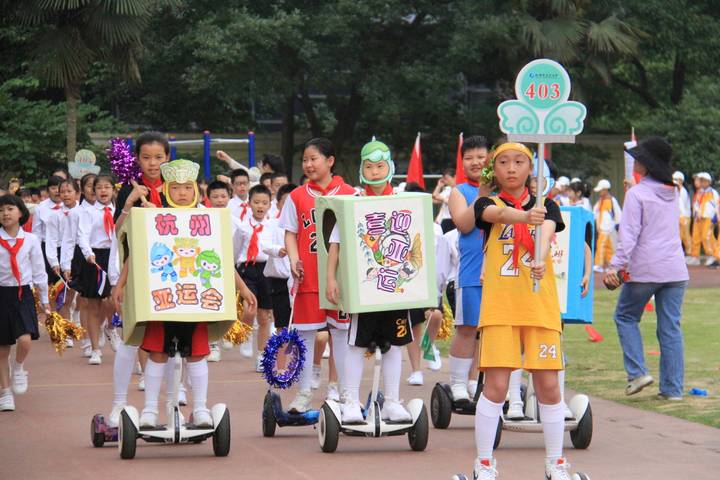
(387,258)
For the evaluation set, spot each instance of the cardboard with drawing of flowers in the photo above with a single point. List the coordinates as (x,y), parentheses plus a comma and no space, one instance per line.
(181,269)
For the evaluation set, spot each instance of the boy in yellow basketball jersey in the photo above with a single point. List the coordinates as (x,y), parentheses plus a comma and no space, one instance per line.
(513,319)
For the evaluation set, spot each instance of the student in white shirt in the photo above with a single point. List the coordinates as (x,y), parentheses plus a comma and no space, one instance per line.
(41,215)
(685,211)
(441,196)
(238,204)
(22,265)
(255,233)
(277,180)
(96,232)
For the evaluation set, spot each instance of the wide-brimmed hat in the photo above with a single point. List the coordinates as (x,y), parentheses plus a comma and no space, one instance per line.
(654,153)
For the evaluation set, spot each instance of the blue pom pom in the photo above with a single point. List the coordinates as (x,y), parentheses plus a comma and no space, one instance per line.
(294,349)
(116,320)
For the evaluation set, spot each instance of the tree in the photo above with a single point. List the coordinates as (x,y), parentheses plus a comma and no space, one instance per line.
(74,34)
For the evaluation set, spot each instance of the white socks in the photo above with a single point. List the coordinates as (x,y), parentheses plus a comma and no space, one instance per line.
(306,375)
(198,375)
(122,371)
(553,423)
(561,382)
(392,369)
(514,386)
(487,415)
(459,369)
(170,378)
(153,381)
(354,364)
(340,347)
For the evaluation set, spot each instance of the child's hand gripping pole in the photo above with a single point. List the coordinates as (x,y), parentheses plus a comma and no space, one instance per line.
(143,198)
(539,203)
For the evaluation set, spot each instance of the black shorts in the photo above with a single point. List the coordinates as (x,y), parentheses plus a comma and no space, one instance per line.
(75,268)
(416,315)
(90,277)
(380,327)
(253,276)
(447,224)
(280,301)
(17,316)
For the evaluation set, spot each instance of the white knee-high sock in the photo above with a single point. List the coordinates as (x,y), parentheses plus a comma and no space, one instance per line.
(306,376)
(487,415)
(153,381)
(561,382)
(354,365)
(123,366)
(553,423)
(514,386)
(198,375)
(392,369)
(170,378)
(340,349)
(459,369)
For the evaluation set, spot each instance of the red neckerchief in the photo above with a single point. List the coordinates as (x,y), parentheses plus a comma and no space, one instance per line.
(56,206)
(244,210)
(13,251)
(369,192)
(472,184)
(207,203)
(336,181)
(153,186)
(521,232)
(253,250)
(108,221)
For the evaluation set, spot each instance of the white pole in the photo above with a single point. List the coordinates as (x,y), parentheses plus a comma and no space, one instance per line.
(539,202)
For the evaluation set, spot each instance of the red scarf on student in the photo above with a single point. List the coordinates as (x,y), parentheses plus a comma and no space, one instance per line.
(521,232)
(244,211)
(369,192)
(13,251)
(472,184)
(153,186)
(108,222)
(253,249)
(336,181)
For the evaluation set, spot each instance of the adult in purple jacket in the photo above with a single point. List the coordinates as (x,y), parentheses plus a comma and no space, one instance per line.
(650,251)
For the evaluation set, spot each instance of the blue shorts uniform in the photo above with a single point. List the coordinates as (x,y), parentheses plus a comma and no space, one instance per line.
(467,306)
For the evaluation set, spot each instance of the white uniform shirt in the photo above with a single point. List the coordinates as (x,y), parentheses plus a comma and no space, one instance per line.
(69,239)
(276,267)
(30,262)
(273,212)
(55,233)
(610,219)
(237,206)
(710,208)
(113,272)
(444,212)
(264,238)
(448,259)
(91,229)
(40,217)
(684,203)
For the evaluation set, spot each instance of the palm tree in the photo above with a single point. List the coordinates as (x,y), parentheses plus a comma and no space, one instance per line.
(72,35)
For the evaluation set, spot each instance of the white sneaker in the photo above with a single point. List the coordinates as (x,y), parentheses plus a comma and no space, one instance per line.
(141,383)
(315,382)
(246,348)
(484,469)
(114,418)
(351,412)
(148,418)
(416,378)
(95,358)
(138,368)
(215,354)
(69,343)
(710,261)
(202,418)
(436,364)
(86,348)
(598,269)
(227,345)
(112,334)
(333,393)
(557,469)
(515,411)
(19,381)
(569,415)
(459,392)
(258,363)
(394,411)
(301,402)
(693,261)
(326,352)
(637,384)
(182,395)
(472,388)
(7,401)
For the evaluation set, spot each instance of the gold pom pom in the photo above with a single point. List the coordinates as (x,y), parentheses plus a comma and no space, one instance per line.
(446,327)
(239,332)
(60,330)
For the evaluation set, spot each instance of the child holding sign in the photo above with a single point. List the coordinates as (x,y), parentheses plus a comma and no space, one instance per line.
(513,319)
(163,339)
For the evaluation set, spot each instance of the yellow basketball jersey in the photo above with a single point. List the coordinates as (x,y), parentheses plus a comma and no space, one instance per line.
(507,297)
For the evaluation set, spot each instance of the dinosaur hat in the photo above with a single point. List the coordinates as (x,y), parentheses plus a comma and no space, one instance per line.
(376,151)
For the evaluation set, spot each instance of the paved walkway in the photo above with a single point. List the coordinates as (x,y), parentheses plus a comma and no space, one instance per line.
(48,437)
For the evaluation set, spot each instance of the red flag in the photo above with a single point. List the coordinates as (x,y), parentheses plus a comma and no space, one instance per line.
(415,170)
(459,172)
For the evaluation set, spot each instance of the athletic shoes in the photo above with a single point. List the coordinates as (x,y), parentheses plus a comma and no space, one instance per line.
(141,383)
(315,382)
(258,363)
(215,354)
(301,402)
(436,364)
(114,338)
(7,401)
(637,384)
(416,378)
(472,388)
(227,345)
(138,369)
(148,418)
(460,392)
(69,343)
(333,393)
(19,381)
(86,348)
(693,261)
(114,418)
(95,358)
(202,418)
(515,411)
(558,469)
(484,469)
(671,398)
(710,261)
(351,412)
(246,349)
(394,411)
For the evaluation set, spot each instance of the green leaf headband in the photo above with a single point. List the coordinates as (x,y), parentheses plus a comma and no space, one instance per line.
(375,152)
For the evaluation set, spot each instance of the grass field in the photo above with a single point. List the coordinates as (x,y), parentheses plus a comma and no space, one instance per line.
(597,368)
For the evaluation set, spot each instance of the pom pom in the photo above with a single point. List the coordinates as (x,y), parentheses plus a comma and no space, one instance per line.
(56,293)
(60,330)
(446,327)
(122,162)
(239,332)
(294,352)
(116,320)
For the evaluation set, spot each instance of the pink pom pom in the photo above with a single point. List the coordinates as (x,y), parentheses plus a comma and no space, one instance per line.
(122,162)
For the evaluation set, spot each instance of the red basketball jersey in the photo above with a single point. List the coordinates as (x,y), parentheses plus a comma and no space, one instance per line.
(304,200)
